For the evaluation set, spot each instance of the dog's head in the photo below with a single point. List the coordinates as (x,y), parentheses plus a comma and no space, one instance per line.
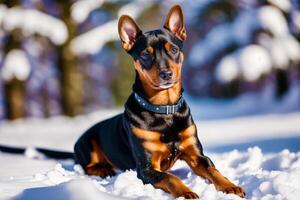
(157,54)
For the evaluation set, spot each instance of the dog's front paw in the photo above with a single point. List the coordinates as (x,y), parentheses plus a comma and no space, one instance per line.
(190,195)
(233,189)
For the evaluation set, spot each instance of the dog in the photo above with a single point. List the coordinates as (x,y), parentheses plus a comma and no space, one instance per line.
(156,128)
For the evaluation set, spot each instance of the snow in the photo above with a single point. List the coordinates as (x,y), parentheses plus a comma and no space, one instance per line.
(280,60)
(217,39)
(255,61)
(135,8)
(223,35)
(62,132)
(80,10)
(16,65)
(94,40)
(251,62)
(245,129)
(282,50)
(296,20)
(273,175)
(292,48)
(284,5)
(3,9)
(264,176)
(33,21)
(273,20)
(228,69)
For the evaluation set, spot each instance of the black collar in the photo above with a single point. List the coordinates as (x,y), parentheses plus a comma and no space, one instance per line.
(168,109)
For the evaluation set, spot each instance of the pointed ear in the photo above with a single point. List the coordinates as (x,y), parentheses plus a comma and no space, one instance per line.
(128,31)
(175,22)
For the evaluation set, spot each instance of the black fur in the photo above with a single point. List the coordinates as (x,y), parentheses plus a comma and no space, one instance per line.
(155,38)
(47,152)
(115,136)
(123,148)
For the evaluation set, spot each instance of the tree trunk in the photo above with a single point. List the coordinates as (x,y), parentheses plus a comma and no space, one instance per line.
(282,82)
(14,89)
(15,99)
(70,74)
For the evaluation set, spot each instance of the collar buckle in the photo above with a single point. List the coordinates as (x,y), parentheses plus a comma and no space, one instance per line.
(170,109)
(167,109)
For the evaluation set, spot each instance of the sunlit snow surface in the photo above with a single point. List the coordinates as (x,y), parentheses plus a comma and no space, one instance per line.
(268,171)
(264,176)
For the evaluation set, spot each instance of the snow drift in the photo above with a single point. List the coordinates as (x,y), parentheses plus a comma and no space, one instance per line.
(264,176)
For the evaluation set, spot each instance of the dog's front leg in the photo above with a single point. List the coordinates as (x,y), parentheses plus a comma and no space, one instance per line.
(167,182)
(150,154)
(192,153)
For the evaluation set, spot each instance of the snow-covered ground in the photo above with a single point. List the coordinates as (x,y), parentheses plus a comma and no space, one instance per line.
(264,176)
(270,170)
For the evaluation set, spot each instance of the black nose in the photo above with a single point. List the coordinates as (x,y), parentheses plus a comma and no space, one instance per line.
(166,75)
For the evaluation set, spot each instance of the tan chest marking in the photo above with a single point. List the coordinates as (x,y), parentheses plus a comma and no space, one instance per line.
(159,150)
(188,138)
(188,145)
(151,139)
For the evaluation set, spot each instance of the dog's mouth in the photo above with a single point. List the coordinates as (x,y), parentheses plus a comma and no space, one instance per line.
(167,85)
(161,86)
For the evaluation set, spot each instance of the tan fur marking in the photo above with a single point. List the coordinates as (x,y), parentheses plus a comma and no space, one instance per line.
(190,131)
(175,186)
(146,135)
(188,139)
(151,82)
(156,160)
(168,46)
(95,158)
(150,50)
(155,146)
(187,142)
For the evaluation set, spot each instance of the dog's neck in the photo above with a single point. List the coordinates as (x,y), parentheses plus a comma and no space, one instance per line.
(168,96)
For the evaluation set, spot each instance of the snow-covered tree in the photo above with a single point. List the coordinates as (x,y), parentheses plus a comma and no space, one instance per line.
(51,34)
(241,45)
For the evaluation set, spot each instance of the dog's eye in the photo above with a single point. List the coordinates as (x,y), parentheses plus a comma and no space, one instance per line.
(145,55)
(174,50)
(146,59)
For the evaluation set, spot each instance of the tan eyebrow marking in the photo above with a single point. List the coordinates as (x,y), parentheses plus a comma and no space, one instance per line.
(150,50)
(168,46)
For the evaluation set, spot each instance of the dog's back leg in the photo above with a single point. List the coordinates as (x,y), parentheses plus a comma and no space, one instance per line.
(99,164)
(90,156)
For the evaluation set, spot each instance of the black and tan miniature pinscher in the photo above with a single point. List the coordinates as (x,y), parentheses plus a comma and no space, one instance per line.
(156,128)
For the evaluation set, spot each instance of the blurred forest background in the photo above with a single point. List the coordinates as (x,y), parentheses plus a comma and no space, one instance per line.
(64,57)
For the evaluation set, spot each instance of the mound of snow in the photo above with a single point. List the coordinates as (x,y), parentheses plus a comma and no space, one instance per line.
(273,20)
(228,69)
(80,10)
(94,40)
(251,62)
(264,176)
(32,21)
(284,5)
(255,61)
(16,65)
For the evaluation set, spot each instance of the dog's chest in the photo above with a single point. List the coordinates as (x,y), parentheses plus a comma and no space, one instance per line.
(164,160)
